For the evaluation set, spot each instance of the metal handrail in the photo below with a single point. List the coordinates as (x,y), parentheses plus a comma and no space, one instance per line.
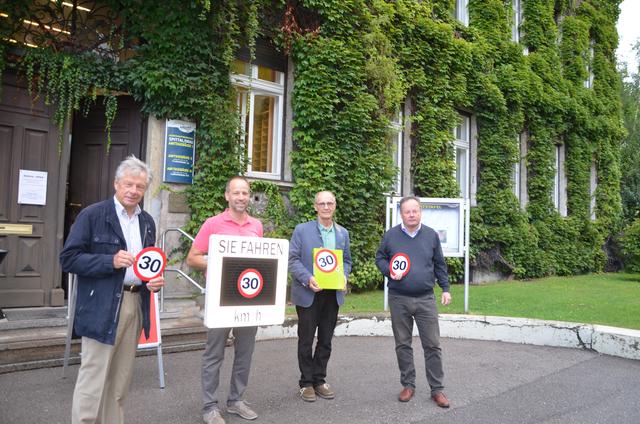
(185,275)
(176,270)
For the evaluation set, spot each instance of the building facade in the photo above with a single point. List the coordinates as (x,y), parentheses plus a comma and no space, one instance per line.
(510,104)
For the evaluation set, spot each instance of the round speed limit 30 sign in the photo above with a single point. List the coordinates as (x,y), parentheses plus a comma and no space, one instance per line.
(326,260)
(149,263)
(250,283)
(400,264)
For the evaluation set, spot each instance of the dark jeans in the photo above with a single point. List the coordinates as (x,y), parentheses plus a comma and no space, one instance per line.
(404,310)
(321,315)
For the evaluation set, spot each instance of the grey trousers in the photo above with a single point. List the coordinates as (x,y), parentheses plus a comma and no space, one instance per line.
(245,339)
(404,310)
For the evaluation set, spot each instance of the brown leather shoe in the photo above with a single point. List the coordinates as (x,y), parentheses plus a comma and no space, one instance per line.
(406,394)
(441,400)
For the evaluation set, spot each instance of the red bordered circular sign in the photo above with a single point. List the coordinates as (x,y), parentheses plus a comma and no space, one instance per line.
(400,264)
(150,263)
(326,260)
(250,283)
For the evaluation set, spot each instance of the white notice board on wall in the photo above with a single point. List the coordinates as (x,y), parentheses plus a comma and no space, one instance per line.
(444,215)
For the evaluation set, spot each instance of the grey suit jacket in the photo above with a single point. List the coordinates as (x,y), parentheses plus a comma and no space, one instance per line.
(305,238)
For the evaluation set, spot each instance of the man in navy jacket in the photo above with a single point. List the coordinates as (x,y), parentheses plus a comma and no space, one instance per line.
(112,304)
(316,308)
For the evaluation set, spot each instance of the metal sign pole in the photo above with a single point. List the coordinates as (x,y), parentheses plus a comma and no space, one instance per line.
(160,365)
(467,220)
(467,214)
(388,224)
(71,310)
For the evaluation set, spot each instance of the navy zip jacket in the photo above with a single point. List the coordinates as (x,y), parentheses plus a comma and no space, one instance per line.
(94,239)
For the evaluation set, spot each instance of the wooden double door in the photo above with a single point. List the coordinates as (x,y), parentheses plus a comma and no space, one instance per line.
(79,172)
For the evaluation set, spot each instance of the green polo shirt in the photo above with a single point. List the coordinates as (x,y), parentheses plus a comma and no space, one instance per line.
(328,236)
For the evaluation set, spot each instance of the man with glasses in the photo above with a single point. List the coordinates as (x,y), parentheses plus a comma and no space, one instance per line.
(317,308)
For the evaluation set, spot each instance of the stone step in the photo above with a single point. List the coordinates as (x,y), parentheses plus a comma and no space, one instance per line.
(180,308)
(23,349)
(17,318)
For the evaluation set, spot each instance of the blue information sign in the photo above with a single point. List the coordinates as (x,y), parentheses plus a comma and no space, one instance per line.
(179,151)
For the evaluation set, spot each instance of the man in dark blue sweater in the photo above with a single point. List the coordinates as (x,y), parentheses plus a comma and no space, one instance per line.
(410,256)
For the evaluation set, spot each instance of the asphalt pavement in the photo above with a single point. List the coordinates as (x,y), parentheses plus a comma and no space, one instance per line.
(486,382)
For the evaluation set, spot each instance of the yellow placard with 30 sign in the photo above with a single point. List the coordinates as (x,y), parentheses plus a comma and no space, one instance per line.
(328,268)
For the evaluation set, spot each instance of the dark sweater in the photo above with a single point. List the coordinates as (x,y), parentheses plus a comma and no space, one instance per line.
(426,261)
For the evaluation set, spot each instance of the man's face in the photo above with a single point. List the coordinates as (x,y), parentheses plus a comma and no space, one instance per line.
(238,195)
(130,189)
(411,214)
(325,205)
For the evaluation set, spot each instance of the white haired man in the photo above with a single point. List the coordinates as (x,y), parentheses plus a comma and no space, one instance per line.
(112,304)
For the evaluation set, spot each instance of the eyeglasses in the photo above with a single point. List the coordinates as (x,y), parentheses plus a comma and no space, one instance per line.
(326,204)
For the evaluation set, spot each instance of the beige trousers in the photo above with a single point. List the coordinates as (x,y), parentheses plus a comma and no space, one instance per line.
(105,371)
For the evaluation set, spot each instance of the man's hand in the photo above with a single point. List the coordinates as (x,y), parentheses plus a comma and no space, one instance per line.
(344,289)
(156,284)
(446,298)
(396,275)
(313,284)
(123,259)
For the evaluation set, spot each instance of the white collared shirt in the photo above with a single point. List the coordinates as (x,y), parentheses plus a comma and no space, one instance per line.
(406,231)
(131,229)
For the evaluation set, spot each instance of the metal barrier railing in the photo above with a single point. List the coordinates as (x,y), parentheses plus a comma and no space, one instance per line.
(176,270)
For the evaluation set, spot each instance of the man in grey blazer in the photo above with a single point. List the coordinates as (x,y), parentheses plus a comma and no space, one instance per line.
(317,308)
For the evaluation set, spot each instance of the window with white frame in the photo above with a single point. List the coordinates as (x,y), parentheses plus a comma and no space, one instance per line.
(517,20)
(556,179)
(260,101)
(515,175)
(395,141)
(462,11)
(521,170)
(559,193)
(462,142)
(517,32)
(593,185)
(588,83)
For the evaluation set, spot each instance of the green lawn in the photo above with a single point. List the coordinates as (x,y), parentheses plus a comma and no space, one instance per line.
(608,299)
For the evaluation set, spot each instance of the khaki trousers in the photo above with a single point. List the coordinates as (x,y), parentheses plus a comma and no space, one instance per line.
(105,371)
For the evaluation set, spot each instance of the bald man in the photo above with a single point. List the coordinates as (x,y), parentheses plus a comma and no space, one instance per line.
(317,308)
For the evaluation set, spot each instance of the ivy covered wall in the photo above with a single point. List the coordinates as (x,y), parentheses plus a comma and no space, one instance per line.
(354,64)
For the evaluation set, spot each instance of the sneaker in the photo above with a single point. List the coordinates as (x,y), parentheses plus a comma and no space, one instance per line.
(308,394)
(324,391)
(240,408)
(213,417)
